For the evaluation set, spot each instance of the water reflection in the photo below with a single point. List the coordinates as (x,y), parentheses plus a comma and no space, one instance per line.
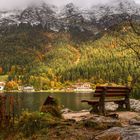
(33,101)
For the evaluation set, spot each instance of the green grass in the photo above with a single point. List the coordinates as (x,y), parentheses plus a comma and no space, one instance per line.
(3,78)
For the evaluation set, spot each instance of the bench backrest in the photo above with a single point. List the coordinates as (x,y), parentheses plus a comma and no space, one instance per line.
(112,91)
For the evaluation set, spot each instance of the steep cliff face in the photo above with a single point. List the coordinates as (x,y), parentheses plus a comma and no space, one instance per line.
(70,16)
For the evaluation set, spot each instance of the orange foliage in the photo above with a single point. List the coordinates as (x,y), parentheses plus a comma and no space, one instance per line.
(11,85)
(1,70)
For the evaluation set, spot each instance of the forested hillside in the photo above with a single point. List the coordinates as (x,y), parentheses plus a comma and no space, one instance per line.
(32,56)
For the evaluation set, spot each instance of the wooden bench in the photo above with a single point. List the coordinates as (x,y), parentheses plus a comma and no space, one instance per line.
(118,95)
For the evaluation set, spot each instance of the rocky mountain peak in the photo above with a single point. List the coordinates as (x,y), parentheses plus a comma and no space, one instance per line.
(43,13)
(37,14)
(115,7)
(69,10)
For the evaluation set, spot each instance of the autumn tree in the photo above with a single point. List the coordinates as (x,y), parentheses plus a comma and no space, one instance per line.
(129,39)
(1,70)
(11,85)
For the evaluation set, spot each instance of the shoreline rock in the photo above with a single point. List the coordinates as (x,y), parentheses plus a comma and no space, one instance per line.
(135,105)
(126,118)
(119,133)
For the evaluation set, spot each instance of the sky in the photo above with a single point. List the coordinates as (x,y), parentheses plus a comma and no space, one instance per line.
(10,4)
(138,1)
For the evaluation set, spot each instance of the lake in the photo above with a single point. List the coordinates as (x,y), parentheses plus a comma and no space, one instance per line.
(33,101)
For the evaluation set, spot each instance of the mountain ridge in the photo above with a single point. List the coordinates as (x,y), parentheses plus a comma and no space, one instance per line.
(55,19)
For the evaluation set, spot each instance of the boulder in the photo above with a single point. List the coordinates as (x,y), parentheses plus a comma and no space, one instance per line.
(134,122)
(101,122)
(66,110)
(109,136)
(119,133)
(135,105)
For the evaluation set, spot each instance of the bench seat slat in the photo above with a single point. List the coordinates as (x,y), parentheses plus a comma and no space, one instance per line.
(112,91)
(97,101)
(110,87)
(109,94)
(100,89)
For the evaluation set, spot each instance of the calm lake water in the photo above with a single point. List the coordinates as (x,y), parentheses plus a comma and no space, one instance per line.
(33,101)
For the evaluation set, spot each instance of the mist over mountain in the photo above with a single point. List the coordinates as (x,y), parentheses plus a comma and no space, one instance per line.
(56,18)
(16,4)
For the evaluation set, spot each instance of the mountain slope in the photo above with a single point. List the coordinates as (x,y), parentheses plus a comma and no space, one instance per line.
(74,43)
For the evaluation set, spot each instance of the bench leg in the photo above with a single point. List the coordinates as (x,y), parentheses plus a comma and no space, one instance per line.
(102,105)
(120,105)
(127,103)
(95,108)
(123,105)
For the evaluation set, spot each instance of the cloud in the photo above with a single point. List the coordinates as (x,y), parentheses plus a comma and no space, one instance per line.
(8,4)
(137,1)
(82,3)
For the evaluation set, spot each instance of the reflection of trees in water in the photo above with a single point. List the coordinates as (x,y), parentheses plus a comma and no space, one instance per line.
(33,101)
(81,96)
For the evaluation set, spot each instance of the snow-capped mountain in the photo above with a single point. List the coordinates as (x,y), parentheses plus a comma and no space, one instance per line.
(53,18)
(9,17)
(70,16)
(115,7)
(33,15)
(40,14)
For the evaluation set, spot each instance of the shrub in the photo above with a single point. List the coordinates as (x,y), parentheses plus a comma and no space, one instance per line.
(30,123)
